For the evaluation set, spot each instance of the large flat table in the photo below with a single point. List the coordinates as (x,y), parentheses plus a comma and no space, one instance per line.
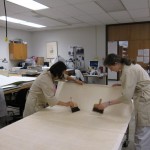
(57,128)
(15,83)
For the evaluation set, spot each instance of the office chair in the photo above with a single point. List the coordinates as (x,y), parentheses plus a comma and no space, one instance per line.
(16,106)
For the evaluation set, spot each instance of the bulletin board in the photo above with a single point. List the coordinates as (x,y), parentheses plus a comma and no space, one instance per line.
(140,52)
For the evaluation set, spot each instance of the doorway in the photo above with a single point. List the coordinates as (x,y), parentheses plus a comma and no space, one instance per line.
(120,48)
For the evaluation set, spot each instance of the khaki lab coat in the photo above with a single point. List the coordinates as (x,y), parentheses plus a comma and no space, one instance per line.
(136,84)
(41,94)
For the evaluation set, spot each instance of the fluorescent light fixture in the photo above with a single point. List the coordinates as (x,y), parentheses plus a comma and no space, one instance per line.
(21,22)
(29,4)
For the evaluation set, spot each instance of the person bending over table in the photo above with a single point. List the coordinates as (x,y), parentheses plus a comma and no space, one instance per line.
(42,91)
(135,83)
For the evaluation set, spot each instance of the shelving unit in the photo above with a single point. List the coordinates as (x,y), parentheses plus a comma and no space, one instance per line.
(77,57)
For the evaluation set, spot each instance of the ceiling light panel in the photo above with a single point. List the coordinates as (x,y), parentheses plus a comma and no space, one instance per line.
(53,3)
(13,20)
(29,4)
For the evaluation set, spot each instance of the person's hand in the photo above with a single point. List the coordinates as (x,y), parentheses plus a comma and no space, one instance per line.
(101,106)
(116,85)
(79,82)
(67,104)
(72,104)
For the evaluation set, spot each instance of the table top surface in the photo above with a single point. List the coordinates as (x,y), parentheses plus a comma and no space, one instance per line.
(57,128)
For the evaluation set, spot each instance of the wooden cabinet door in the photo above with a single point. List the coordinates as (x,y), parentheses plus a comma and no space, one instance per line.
(17,51)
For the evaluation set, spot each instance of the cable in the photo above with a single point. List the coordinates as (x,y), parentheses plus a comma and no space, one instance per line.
(6,38)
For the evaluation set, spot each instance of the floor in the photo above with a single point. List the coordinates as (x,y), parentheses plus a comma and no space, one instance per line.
(131,135)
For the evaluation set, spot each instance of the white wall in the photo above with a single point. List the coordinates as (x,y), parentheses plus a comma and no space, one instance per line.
(4,47)
(92,39)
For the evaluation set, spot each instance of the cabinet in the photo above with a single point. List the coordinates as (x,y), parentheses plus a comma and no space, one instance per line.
(17,51)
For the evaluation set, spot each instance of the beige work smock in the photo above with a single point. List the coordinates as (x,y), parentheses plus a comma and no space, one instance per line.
(136,84)
(41,93)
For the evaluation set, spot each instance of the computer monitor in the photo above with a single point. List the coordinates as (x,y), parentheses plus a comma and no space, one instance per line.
(94,64)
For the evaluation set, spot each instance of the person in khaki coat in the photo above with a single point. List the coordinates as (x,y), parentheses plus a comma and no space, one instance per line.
(135,83)
(42,91)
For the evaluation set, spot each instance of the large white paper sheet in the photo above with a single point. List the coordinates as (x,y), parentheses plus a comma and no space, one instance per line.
(13,79)
(57,128)
(115,117)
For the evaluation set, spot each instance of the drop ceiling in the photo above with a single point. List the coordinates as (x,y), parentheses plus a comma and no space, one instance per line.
(78,13)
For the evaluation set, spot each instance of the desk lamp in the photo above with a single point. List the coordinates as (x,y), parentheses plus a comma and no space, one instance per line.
(4,60)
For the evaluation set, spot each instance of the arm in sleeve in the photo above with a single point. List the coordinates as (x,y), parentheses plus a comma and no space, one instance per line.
(67,77)
(49,90)
(130,81)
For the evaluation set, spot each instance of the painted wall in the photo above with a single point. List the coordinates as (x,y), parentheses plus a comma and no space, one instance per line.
(4,47)
(92,39)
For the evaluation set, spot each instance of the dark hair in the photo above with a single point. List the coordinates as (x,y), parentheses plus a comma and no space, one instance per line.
(112,59)
(57,69)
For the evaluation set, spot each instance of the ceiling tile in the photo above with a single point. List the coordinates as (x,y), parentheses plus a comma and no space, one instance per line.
(139,13)
(116,5)
(135,4)
(78,13)
(53,13)
(120,15)
(40,20)
(125,20)
(104,18)
(77,1)
(86,19)
(142,19)
(70,20)
(71,11)
(90,8)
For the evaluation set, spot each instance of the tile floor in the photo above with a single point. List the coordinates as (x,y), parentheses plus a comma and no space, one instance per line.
(131,135)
